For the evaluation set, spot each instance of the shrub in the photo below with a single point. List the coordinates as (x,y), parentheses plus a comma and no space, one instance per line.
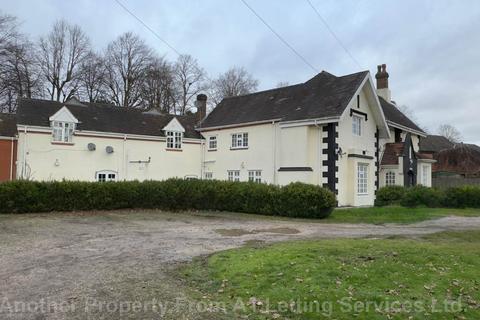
(294,200)
(463,197)
(391,195)
(423,196)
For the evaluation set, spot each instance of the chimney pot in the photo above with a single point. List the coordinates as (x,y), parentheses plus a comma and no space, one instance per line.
(382,77)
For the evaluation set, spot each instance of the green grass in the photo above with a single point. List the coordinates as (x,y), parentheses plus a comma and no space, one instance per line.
(346,279)
(378,215)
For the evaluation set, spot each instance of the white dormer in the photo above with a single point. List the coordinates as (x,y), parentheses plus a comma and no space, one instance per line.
(174,132)
(63,124)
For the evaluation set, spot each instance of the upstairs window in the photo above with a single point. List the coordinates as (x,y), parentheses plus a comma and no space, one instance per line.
(62,131)
(362,178)
(234,175)
(212,143)
(239,140)
(208,175)
(174,140)
(390,178)
(356,125)
(255,176)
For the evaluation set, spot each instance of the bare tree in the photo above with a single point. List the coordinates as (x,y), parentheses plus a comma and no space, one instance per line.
(126,61)
(234,82)
(18,72)
(190,80)
(93,78)
(450,132)
(282,84)
(158,90)
(62,52)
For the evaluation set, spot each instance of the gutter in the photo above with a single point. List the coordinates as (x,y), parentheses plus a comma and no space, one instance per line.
(24,152)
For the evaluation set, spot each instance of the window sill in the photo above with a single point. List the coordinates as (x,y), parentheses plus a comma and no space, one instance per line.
(177,150)
(211,150)
(63,143)
(240,148)
(362,194)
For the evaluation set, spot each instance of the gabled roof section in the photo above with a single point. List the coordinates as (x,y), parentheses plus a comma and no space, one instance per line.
(395,116)
(103,118)
(63,115)
(323,96)
(435,143)
(174,125)
(392,152)
(8,125)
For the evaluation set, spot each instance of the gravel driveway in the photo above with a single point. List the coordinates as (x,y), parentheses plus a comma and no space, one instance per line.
(115,265)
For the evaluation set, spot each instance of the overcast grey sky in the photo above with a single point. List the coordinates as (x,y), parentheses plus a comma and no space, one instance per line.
(432,48)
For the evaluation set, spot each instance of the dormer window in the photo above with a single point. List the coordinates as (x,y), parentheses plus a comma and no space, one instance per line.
(174,140)
(63,124)
(62,131)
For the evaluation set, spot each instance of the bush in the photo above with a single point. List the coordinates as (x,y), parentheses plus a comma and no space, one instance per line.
(423,196)
(391,195)
(463,197)
(294,200)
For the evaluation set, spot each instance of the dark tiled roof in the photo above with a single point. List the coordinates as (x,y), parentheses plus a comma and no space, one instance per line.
(463,159)
(392,152)
(392,114)
(325,95)
(8,125)
(103,118)
(434,143)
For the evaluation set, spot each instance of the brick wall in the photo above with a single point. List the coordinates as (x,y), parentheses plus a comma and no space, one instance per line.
(7,164)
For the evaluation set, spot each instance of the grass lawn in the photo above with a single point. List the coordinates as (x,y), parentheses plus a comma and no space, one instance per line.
(378,215)
(437,277)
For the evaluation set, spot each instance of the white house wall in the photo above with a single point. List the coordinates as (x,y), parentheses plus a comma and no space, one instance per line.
(352,144)
(47,161)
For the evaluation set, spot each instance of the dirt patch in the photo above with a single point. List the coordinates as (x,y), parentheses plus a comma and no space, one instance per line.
(120,256)
(242,232)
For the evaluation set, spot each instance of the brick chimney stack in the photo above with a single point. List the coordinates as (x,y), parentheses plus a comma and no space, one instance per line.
(201,105)
(382,82)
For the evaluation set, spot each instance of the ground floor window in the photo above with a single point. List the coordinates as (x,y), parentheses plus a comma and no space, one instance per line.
(425,174)
(106,176)
(208,175)
(234,175)
(390,178)
(362,178)
(255,176)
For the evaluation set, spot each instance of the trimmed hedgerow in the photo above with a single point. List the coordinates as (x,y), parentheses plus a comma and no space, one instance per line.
(458,197)
(294,200)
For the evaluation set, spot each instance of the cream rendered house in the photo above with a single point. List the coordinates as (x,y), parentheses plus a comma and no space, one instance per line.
(338,132)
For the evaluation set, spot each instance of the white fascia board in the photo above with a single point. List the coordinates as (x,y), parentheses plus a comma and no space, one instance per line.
(236,125)
(308,122)
(63,115)
(404,128)
(21,129)
(8,138)
(377,112)
(427,160)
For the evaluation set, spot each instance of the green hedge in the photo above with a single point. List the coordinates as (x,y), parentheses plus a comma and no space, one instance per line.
(458,197)
(294,200)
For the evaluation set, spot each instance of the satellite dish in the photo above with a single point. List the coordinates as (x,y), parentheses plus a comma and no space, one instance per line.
(109,149)
(91,147)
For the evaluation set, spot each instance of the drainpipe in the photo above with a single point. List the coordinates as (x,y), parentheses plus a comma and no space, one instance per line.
(11,159)
(202,157)
(24,152)
(274,153)
(124,162)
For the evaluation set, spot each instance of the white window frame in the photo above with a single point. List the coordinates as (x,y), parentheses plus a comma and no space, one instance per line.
(208,175)
(390,178)
(106,176)
(357,125)
(362,178)
(212,143)
(239,140)
(255,176)
(62,132)
(174,140)
(425,171)
(233,175)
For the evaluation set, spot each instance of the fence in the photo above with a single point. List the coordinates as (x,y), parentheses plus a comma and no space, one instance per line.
(453,181)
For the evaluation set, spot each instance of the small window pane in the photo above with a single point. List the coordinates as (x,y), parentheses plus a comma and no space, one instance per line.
(362,178)
(357,125)
(390,178)
(212,143)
